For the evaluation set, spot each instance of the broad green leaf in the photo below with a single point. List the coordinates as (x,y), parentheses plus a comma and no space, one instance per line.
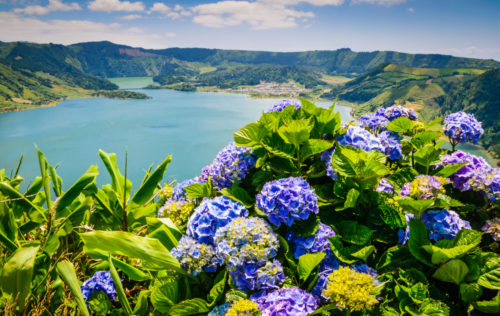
(165,291)
(364,252)
(217,290)
(489,307)
(418,239)
(249,135)
(118,287)
(307,263)
(470,292)
(313,147)
(7,242)
(296,132)
(422,138)
(42,161)
(145,192)
(431,307)
(401,125)
(285,249)
(354,233)
(452,271)
(193,306)
(402,176)
(27,205)
(393,258)
(17,272)
(449,169)
(419,292)
(465,240)
(351,198)
(141,307)
(51,244)
(416,207)
(56,181)
(490,279)
(164,230)
(392,217)
(306,227)
(277,146)
(234,295)
(197,190)
(117,180)
(237,193)
(151,251)
(428,156)
(341,252)
(67,197)
(66,271)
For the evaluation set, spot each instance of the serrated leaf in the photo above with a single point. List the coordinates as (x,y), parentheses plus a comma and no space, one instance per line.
(197,191)
(490,279)
(470,292)
(296,132)
(193,306)
(313,147)
(364,252)
(400,125)
(341,252)
(465,240)
(452,271)
(354,233)
(418,239)
(449,169)
(307,263)
(249,135)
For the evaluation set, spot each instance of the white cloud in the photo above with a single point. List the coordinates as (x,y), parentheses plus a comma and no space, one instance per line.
(379,2)
(170,34)
(53,5)
(74,31)
(116,5)
(163,9)
(411,10)
(131,17)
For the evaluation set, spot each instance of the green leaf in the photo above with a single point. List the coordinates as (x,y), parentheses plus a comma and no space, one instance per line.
(25,203)
(452,271)
(354,233)
(306,227)
(17,272)
(296,132)
(145,192)
(400,125)
(51,245)
(118,287)
(490,279)
(141,307)
(69,196)
(165,291)
(416,207)
(164,230)
(422,138)
(431,307)
(235,295)
(418,239)
(470,292)
(419,292)
(117,180)
(351,198)
(392,217)
(197,190)
(217,290)
(341,252)
(449,169)
(285,249)
(364,252)
(313,147)
(307,263)
(428,156)
(237,193)
(193,306)
(66,271)
(465,240)
(151,251)
(489,307)
(45,177)
(249,135)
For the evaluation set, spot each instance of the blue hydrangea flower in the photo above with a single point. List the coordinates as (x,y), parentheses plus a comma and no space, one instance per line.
(287,200)
(444,224)
(358,137)
(220,310)
(461,127)
(287,302)
(278,107)
(246,241)
(326,157)
(179,191)
(384,186)
(374,121)
(395,111)
(315,243)
(100,281)
(194,256)
(232,163)
(363,268)
(251,277)
(212,214)
(391,144)
(404,235)
(327,266)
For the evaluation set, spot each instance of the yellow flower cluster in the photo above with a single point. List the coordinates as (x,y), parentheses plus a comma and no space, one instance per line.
(166,192)
(350,289)
(177,211)
(243,307)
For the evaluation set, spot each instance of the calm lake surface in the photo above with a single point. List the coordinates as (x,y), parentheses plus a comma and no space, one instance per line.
(190,126)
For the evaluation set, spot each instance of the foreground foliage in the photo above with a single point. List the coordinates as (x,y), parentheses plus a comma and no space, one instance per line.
(302,214)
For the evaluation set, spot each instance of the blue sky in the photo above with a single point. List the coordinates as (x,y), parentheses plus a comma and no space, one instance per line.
(458,27)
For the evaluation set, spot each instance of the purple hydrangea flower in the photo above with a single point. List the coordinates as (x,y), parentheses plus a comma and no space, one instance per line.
(444,224)
(194,256)
(287,200)
(492,227)
(278,107)
(315,243)
(212,214)
(246,241)
(358,137)
(326,157)
(391,144)
(287,302)
(424,187)
(374,121)
(395,111)
(100,281)
(232,163)
(220,310)
(462,127)
(251,277)
(384,186)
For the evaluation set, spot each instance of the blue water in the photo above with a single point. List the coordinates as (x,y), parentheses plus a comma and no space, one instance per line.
(190,126)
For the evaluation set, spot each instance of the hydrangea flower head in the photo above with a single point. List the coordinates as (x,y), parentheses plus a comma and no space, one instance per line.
(391,144)
(166,192)
(358,137)
(444,224)
(100,281)
(326,157)
(287,200)
(395,111)
(194,256)
(384,186)
(178,211)
(212,214)
(243,308)
(374,121)
(404,235)
(351,290)
(246,241)
(315,243)
(287,302)
(278,107)
(220,310)
(232,163)
(424,187)
(492,227)
(462,127)
(251,277)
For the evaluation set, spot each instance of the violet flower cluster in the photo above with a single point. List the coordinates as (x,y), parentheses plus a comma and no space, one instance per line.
(391,144)
(492,227)
(287,200)
(374,121)
(252,277)
(232,163)
(461,127)
(424,187)
(287,302)
(194,256)
(396,111)
(278,107)
(326,157)
(100,281)
(358,137)
(212,214)
(384,186)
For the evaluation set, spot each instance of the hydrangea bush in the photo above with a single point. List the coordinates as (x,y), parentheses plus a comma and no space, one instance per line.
(302,214)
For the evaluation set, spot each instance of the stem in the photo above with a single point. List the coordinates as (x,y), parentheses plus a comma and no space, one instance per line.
(125,225)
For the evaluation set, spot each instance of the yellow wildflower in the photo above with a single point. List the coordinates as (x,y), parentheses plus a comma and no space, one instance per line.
(243,307)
